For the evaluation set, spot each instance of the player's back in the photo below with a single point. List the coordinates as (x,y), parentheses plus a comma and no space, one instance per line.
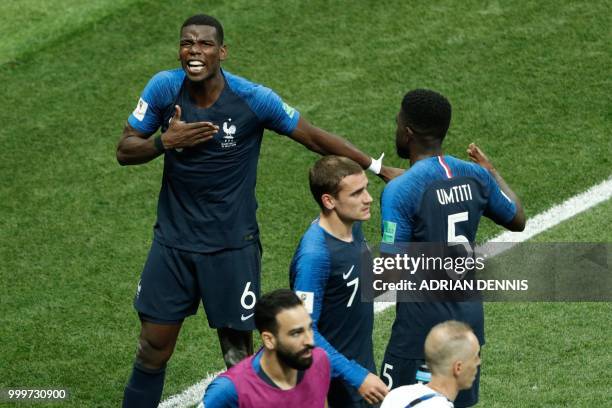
(438,200)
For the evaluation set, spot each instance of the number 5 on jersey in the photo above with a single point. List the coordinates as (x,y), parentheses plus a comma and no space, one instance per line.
(452,237)
(387,374)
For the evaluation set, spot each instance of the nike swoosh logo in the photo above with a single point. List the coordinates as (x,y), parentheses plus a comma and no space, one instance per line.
(346,275)
(243,317)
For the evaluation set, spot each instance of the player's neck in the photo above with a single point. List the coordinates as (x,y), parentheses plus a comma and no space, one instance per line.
(336,227)
(283,376)
(205,93)
(444,386)
(420,154)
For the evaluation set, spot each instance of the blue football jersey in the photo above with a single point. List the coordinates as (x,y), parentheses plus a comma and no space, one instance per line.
(326,272)
(207,199)
(439,199)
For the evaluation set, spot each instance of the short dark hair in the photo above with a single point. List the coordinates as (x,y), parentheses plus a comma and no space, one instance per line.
(271,304)
(206,20)
(327,173)
(427,112)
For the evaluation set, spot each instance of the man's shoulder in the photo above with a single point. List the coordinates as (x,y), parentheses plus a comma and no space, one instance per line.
(245,88)
(465,167)
(163,87)
(314,237)
(408,185)
(426,171)
(311,256)
(239,369)
(271,110)
(321,358)
(221,392)
(168,78)
(402,396)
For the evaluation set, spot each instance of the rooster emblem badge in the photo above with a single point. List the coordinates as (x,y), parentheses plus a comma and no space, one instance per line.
(229,130)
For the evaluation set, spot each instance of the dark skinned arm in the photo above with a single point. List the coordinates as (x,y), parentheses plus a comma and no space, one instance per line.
(322,142)
(477,156)
(136,147)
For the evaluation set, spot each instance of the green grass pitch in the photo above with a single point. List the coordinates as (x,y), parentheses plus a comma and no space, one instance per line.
(529,81)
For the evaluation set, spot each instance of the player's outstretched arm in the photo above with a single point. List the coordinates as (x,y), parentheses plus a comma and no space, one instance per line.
(136,147)
(324,143)
(477,156)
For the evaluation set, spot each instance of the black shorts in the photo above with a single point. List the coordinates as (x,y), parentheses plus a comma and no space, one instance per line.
(174,281)
(402,371)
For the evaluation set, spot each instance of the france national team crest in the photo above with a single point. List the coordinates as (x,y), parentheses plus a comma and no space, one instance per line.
(229,131)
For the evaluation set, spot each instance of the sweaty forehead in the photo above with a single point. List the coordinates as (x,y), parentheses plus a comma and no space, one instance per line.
(199,32)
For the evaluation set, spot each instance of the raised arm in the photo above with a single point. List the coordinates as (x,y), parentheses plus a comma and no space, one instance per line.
(324,143)
(477,156)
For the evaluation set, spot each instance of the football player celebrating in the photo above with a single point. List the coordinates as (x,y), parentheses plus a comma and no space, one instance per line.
(206,239)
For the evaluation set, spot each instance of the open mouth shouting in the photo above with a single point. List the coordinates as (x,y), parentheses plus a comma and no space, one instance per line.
(195,67)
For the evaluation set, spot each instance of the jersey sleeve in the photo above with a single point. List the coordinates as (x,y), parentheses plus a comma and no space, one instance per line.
(396,221)
(156,96)
(500,208)
(275,114)
(221,393)
(312,270)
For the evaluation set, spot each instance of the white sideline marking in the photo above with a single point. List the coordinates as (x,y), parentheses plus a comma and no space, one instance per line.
(540,223)
(189,397)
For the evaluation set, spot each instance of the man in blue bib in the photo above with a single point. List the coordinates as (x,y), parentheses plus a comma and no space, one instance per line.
(206,240)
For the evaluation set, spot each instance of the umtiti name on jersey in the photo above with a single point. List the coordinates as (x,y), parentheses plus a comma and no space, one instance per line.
(454,194)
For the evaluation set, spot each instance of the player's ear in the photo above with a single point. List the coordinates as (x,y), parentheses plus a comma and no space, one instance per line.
(409,132)
(268,340)
(223,52)
(457,368)
(328,201)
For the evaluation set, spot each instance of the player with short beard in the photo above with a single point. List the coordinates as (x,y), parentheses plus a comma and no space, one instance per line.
(289,371)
